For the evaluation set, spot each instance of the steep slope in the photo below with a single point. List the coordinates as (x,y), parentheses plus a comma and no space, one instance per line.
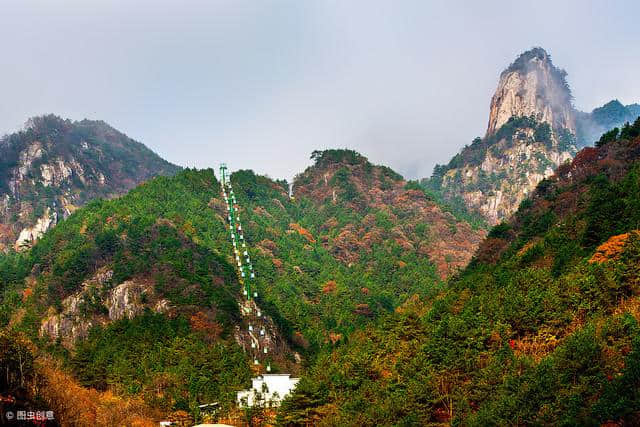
(531,132)
(542,328)
(532,86)
(134,303)
(138,293)
(420,224)
(53,166)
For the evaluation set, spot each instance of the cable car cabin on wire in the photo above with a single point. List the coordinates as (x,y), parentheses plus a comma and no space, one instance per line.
(245,270)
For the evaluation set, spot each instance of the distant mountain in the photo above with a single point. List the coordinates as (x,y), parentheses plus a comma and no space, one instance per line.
(613,114)
(542,328)
(54,166)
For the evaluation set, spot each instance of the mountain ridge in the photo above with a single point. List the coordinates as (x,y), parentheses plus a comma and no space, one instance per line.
(53,166)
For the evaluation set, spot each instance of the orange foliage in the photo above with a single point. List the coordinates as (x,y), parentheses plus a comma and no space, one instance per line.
(75,405)
(302,231)
(334,338)
(329,287)
(611,249)
(201,322)
(277,262)
(26,294)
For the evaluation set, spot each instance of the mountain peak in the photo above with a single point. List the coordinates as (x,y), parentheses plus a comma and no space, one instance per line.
(533,86)
(323,158)
(525,60)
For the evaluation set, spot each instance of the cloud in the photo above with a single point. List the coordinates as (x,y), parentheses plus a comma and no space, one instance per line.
(262,84)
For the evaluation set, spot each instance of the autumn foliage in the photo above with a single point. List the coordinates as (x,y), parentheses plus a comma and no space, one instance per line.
(75,405)
(303,232)
(612,248)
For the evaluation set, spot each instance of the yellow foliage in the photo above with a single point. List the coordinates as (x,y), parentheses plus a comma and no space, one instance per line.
(80,406)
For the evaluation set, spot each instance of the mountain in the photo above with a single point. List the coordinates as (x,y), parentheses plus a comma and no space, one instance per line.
(138,295)
(612,114)
(533,129)
(531,132)
(532,86)
(54,166)
(542,328)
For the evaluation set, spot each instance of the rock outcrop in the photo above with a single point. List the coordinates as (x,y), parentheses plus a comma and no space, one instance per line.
(97,303)
(532,86)
(531,131)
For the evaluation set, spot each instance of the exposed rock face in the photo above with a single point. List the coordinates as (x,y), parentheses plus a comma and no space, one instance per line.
(29,235)
(264,334)
(531,131)
(98,304)
(55,165)
(532,86)
(497,186)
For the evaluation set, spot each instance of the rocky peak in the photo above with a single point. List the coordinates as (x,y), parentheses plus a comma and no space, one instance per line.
(532,86)
(531,131)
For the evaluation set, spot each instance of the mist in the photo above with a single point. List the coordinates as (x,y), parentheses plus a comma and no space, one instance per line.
(261,85)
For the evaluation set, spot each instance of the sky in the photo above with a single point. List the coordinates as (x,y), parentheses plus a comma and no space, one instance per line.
(261,84)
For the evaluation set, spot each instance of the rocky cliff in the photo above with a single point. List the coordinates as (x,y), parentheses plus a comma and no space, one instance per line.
(532,86)
(531,131)
(53,166)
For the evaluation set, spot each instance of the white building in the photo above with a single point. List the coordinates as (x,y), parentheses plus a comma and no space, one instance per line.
(267,390)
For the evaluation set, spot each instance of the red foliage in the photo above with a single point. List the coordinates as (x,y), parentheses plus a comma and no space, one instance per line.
(587,156)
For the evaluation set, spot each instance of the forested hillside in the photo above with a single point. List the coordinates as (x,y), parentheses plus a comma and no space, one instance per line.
(138,296)
(542,327)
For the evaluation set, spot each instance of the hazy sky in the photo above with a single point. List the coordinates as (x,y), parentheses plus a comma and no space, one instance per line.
(261,84)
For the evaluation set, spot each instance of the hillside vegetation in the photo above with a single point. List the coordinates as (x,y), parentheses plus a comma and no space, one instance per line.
(138,295)
(542,327)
